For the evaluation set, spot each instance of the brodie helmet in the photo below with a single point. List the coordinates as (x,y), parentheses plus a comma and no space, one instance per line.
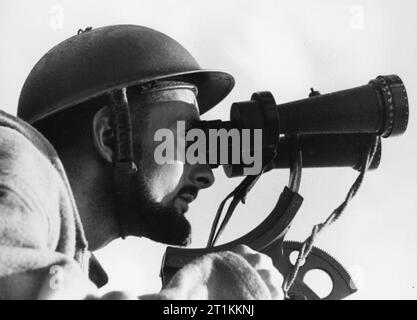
(106,61)
(101,60)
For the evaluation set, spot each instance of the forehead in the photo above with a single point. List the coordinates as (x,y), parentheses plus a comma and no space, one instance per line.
(165,107)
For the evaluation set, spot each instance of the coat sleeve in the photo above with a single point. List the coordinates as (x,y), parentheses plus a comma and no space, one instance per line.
(36,260)
(215,276)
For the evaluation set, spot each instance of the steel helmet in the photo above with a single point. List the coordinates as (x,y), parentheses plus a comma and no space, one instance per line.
(109,58)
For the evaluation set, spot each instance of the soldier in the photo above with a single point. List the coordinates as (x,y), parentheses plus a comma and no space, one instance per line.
(98,98)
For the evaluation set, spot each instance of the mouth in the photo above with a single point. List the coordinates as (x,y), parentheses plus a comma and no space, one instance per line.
(187,197)
(181,205)
(184,198)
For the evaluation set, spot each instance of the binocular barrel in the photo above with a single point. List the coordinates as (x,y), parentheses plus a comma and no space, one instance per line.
(320,151)
(328,150)
(380,107)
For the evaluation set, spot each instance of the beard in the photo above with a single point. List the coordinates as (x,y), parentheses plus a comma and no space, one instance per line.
(160,223)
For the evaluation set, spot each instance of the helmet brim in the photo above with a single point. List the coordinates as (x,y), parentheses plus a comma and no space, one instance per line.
(213,86)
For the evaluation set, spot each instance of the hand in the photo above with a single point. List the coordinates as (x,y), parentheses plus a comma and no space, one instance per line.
(265,268)
(238,274)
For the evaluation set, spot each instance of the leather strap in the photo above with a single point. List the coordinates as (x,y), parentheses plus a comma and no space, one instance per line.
(123,161)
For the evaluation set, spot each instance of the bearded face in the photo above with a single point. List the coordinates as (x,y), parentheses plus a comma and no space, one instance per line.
(161,193)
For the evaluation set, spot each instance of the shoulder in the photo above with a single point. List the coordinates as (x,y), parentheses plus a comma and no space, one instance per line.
(21,159)
(31,187)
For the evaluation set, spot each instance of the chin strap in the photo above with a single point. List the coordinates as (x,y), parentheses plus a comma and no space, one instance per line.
(123,160)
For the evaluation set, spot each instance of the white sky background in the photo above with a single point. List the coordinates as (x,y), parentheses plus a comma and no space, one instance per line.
(284,47)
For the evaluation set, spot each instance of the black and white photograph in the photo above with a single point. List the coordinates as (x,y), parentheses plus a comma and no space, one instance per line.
(213,151)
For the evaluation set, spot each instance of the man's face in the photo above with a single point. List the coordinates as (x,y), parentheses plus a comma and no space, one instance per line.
(165,190)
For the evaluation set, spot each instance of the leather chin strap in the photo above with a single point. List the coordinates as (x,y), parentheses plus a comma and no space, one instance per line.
(123,161)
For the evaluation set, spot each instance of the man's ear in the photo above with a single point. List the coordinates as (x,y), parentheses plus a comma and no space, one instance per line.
(103,134)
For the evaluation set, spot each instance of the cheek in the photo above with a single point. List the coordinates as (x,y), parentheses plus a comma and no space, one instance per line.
(163,180)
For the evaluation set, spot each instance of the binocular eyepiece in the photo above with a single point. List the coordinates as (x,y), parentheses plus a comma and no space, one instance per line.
(331,129)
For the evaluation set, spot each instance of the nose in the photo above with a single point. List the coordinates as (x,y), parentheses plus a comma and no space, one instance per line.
(201,176)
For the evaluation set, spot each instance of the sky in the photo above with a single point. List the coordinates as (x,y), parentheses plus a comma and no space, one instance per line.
(286,48)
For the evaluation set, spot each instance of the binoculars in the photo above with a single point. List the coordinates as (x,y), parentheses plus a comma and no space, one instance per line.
(330,129)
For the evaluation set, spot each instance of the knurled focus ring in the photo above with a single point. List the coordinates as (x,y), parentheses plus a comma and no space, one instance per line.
(388,99)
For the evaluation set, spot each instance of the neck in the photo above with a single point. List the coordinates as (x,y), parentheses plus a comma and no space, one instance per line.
(93,193)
